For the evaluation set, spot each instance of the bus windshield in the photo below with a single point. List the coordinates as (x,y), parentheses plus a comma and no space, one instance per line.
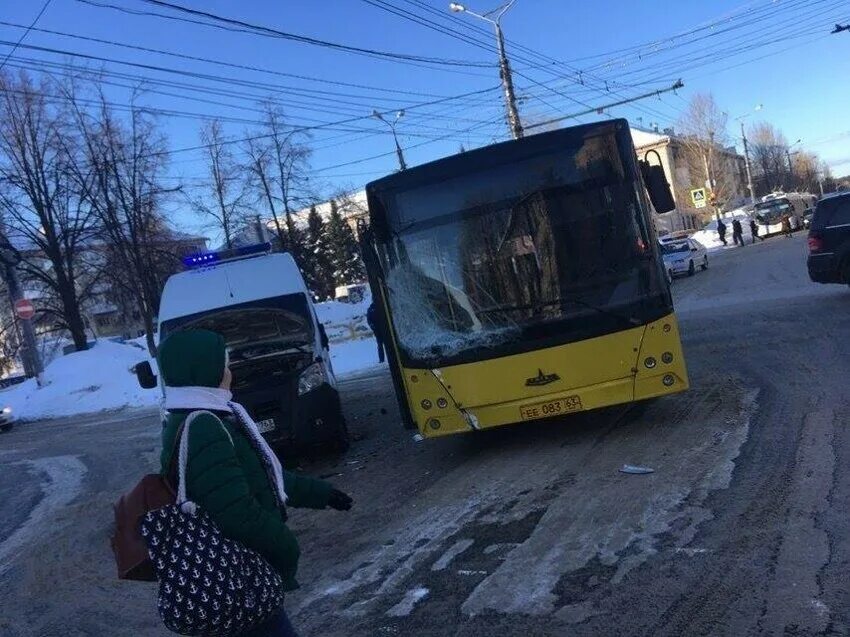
(528,250)
(773,211)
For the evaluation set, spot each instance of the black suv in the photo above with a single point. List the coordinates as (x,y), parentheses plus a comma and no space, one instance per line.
(829,240)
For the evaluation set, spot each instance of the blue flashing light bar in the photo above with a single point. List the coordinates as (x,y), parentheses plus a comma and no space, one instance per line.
(206,259)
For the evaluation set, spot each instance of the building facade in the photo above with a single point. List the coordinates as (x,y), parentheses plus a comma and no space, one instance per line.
(686,172)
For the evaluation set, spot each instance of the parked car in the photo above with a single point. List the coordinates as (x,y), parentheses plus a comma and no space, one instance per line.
(684,257)
(829,240)
(7,419)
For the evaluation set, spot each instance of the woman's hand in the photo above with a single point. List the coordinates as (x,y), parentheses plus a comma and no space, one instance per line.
(339,500)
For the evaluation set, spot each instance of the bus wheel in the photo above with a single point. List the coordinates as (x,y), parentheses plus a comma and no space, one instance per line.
(704,265)
(691,268)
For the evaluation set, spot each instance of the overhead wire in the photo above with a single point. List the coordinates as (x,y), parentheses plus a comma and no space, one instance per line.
(434,64)
(25,33)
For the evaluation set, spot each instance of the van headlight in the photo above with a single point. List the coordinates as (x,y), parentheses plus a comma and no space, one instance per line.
(7,411)
(311,378)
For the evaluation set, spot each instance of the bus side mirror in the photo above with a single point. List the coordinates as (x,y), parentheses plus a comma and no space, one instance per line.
(144,374)
(656,185)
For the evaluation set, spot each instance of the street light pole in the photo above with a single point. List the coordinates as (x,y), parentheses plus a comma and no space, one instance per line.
(788,154)
(402,165)
(750,186)
(504,65)
(747,164)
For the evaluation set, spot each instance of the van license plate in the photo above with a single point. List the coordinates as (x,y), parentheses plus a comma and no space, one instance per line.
(551,408)
(266,425)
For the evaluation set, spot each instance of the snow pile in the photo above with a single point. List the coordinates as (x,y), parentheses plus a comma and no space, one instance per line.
(353,348)
(345,321)
(84,382)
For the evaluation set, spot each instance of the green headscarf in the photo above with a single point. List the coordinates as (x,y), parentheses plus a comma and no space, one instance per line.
(192,358)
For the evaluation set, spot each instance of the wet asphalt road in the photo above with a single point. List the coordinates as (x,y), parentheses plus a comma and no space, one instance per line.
(742,529)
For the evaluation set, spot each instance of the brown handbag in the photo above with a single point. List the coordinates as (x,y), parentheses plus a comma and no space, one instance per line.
(154,491)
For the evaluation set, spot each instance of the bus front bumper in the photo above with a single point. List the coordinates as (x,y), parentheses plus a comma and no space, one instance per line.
(657,368)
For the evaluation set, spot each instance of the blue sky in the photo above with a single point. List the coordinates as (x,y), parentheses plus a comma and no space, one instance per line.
(796,79)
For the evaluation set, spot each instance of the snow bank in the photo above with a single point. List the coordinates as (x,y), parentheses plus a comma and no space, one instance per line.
(345,321)
(353,348)
(84,382)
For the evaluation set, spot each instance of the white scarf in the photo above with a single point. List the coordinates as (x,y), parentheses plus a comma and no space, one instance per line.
(221,400)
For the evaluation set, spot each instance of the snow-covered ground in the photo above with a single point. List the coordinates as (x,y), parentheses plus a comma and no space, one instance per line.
(84,382)
(102,379)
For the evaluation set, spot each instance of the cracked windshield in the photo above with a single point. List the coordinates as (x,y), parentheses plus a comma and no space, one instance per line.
(559,238)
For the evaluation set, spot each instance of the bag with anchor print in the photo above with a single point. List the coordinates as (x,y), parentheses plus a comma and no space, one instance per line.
(208,584)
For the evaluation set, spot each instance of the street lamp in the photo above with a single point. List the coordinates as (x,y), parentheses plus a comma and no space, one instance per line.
(747,152)
(504,66)
(401,163)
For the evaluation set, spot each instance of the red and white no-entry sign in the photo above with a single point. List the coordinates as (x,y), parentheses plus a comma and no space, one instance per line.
(24,309)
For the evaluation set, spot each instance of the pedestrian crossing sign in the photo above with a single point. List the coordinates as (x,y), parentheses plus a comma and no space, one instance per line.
(698,197)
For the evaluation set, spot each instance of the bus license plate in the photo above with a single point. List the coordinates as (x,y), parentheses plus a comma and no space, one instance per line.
(266,425)
(550,408)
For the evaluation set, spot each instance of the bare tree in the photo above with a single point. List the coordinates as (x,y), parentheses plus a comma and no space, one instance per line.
(44,206)
(224,202)
(768,147)
(290,159)
(806,174)
(705,136)
(258,165)
(128,163)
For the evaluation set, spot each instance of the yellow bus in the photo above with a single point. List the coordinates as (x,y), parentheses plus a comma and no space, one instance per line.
(523,281)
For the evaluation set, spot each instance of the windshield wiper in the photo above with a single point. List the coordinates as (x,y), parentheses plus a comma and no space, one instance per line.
(629,320)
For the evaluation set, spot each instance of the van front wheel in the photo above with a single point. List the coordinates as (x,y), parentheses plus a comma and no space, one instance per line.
(340,441)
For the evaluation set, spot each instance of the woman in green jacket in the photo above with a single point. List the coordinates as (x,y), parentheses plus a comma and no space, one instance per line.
(231,472)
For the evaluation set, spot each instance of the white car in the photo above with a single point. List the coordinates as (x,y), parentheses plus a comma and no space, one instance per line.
(684,257)
(7,420)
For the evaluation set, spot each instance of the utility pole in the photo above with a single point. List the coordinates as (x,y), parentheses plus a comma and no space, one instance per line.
(788,154)
(747,164)
(508,84)
(31,358)
(504,65)
(402,165)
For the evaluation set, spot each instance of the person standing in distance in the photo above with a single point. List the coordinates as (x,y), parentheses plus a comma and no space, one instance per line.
(375,324)
(754,230)
(737,233)
(721,231)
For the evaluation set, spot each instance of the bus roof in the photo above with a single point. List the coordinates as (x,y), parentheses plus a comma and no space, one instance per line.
(496,154)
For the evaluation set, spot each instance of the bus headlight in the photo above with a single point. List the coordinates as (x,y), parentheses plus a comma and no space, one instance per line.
(667,358)
(668,380)
(442,403)
(311,378)
(426,404)
(650,362)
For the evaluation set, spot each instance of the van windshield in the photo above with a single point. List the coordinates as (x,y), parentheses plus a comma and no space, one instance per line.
(267,327)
